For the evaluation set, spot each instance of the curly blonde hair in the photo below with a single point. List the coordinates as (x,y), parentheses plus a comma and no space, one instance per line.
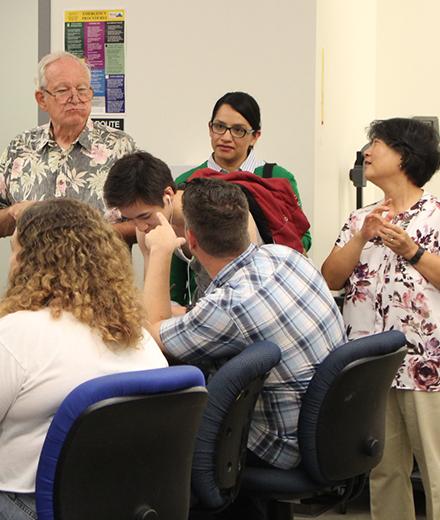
(70,259)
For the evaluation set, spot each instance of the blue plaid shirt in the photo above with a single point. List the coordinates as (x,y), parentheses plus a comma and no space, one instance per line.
(272,293)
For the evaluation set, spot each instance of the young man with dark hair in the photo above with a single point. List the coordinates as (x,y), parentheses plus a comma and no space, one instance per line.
(270,292)
(140,186)
(138,177)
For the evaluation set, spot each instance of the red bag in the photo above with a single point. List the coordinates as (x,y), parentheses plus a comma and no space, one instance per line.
(276,199)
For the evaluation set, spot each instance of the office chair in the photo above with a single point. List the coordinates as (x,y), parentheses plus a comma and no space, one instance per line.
(341,426)
(120,447)
(222,438)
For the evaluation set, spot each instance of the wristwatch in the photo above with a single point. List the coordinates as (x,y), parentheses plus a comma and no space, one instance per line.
(413,260)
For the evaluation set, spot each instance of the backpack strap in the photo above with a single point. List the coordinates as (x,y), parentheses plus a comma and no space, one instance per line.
(268,170)
(258,216)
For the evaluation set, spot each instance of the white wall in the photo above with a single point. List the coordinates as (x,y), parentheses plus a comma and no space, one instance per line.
(408,75)
(380,62)
(346,35)
(19,51)
(182,56)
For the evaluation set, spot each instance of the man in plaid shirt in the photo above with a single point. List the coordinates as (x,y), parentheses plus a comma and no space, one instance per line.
(269,292)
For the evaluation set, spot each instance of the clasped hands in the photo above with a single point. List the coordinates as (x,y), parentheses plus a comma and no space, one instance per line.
(393,236)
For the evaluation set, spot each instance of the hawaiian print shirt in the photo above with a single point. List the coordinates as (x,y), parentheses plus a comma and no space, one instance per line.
(35,167)
(385,292)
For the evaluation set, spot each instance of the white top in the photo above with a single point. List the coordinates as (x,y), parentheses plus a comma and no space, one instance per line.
(41,361)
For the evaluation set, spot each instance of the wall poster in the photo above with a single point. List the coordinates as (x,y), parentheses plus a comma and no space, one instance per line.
(98,36)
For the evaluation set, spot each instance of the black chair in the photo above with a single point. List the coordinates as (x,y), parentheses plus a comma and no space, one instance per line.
(120,447)
(222,438)
(341,426)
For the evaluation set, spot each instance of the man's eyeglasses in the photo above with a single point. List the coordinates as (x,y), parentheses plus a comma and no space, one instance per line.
(236,130)
(63,95)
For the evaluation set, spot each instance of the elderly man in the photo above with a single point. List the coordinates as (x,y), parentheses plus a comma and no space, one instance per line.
(68,157)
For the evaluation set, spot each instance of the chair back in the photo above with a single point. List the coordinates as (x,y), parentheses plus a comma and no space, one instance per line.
(222,439)
(341,425)
(120,446)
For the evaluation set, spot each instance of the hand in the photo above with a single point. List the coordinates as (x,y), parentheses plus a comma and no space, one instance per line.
(374,221)
(140,237)
(17,209)
(163,237)
(398,240)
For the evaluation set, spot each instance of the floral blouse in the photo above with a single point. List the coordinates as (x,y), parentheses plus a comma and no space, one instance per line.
(34,167)
(385,292)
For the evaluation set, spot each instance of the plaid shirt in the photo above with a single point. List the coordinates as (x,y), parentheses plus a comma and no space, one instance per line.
(272,293)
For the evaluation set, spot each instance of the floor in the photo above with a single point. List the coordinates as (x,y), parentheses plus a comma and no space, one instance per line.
(359,510)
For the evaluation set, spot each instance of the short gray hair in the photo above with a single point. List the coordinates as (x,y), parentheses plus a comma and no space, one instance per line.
(41,80)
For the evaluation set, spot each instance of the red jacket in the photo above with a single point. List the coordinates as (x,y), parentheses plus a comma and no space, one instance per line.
(277,201)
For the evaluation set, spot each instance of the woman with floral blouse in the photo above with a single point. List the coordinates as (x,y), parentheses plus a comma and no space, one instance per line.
(387,257)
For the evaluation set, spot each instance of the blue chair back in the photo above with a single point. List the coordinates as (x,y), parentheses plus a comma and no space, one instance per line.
(222,439)
(342,419)
(341,426)
(120,446)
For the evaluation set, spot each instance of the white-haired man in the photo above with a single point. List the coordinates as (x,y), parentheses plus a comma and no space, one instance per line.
(68,157)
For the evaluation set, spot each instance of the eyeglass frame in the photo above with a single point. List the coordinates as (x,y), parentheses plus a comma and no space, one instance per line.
(230,128)
(71,89)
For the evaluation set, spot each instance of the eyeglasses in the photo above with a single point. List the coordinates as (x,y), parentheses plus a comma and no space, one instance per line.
(236,130)
(63,95)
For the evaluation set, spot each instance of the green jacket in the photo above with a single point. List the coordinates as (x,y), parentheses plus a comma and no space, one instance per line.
(179,290)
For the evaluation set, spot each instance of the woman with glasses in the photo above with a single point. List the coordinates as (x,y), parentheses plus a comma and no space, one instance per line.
(234,129)
(71,313)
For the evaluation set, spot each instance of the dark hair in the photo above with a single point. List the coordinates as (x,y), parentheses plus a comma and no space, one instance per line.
(137,177)
(244,104)
(217,212)
(416,141)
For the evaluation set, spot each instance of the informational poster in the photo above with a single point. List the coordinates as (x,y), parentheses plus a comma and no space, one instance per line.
(99,38)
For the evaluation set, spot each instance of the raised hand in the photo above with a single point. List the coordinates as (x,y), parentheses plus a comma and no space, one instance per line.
(163,237)
(375,220)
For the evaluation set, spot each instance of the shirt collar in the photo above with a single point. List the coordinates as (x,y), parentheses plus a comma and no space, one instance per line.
(84,139)
(214,166)
(44,136)
(230,269)
(250,163)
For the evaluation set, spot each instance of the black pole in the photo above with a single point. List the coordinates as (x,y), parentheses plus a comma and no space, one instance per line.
(359,197)
(357,177)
